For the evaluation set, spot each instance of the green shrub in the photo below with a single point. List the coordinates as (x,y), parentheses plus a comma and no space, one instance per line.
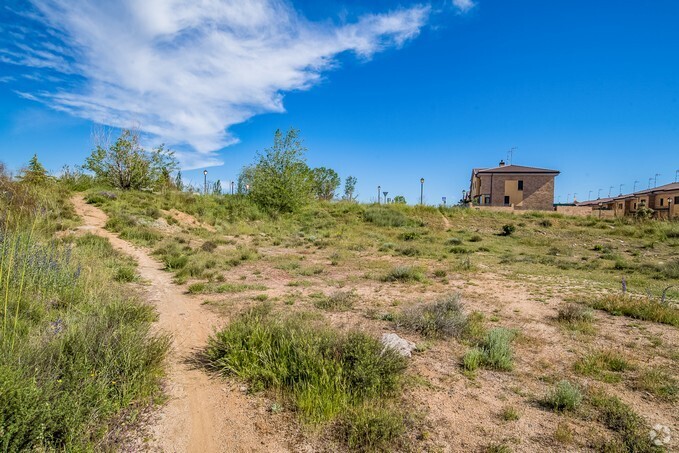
(508,230)
(369,428)
(497,349)
(208,246)
(563,397)
(338,301)
(475,238)
(125,274)
(473,359)
(441,319)
(575,317)
(454,241)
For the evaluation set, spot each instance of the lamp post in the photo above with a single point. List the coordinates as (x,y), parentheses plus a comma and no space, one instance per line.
(558,199)
(655,180)
(589,195)
(610,190)
(575,197)
(600,207)
(650,180)
(205,181)
(379,194)
(598,194)
(568,197)
(669,208)
(635,186)
(232,187)
(621,186)
(421,190)
(247,188)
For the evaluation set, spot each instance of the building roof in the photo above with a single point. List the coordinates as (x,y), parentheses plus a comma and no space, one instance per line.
(594,202)
(520,169)
(666,188)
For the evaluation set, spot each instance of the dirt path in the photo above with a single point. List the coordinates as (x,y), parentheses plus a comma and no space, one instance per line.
(202,414)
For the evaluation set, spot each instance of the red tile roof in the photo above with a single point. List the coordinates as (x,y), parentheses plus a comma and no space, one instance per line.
(517,169)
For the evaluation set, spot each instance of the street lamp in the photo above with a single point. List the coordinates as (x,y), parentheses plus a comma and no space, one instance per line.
(247,188)
(205,183)
(464,196)
(600,208)
(598,194)
(621,186)
(379,194)
(575,197)
(589,195)
(669,208)
(421,190)
(232,187)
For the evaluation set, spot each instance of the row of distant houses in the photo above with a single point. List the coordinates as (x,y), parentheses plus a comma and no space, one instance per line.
(663,200)
(516,187)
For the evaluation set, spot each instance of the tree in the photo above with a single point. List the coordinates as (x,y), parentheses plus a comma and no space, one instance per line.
(399,199)
(35,173)
(126,165)
(178,183)
(217,188)
(281,179)
(325,182)
(350,188)
(245,179)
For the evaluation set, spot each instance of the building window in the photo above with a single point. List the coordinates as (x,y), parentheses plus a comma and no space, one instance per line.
(486,200)
(635,205)
(520,185)
(676,200)
(619,205)
(506,199)
(662,202)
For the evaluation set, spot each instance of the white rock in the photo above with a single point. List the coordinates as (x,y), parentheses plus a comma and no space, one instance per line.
(660,435)
(400,345)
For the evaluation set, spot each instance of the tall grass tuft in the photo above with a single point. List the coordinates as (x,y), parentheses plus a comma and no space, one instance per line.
(638,308)
(441,319)
(321,372)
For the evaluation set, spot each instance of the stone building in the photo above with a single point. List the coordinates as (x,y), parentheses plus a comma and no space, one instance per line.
(513,186)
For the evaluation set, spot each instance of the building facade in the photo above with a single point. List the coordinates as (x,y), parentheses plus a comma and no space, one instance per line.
(662,200)
(513,186)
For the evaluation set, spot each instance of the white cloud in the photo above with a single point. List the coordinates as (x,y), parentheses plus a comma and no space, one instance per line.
(464,5)
(187,70)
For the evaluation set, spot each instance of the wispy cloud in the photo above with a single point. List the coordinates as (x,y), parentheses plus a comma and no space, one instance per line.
(464,5)
(187,70)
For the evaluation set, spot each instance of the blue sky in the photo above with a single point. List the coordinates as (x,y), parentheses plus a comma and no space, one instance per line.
(388,93)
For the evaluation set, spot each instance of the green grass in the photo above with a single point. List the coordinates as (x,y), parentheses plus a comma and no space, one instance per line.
(565,396)
(78,358)
(322,373)
(510,414)
(658,383)
(494,352)
(606,366)
(405,274)
(337,301)
(444,318)
(639,308)
(576,318)
(220,288)
(631,430)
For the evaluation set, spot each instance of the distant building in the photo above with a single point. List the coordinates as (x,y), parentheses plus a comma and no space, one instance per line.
(513,185)
(663,200)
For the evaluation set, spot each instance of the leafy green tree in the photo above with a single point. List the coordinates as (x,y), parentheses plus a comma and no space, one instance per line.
(245,179)
(126,165)
(281,179)
(35,173)
(325,182)
(399,199)
(350,188)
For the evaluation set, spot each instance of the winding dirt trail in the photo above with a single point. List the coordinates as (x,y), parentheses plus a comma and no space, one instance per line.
(202,415)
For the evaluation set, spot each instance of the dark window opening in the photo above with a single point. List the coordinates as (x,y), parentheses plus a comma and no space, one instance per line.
(520,185)
(662,202)
(506,199)
(486,200)
(676,200)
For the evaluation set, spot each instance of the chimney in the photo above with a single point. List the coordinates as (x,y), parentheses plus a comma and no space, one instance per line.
(502,163)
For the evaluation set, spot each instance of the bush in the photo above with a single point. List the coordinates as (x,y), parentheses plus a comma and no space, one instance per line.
(575,317)
(441,319)
(508,230)
(475,238)
(370,428)
(494,351)
(208,246)
(564,397)
(473,359)
(405,274)
(321,372)
(338,301)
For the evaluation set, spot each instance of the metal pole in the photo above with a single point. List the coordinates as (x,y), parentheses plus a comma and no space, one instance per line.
(635,186)
(621,186)
(421,190)
(378,194)
(205,182)
(598,194)
(589,195)
(231,187)
(655,183)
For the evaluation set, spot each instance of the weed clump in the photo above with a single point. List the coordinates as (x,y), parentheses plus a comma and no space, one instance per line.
(565,396)
(338,301)
(371,428)
(605,366)
(508,230)
(494,352)
(575,317)
(444,318)
(405,274)
(619,417)
(385,217)
(321,372)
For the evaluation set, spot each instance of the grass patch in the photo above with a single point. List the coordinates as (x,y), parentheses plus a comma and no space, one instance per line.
(369,428)
(565,396)
(321,372)
(444,318)
(605,366)
(494,352)
(658,383)
(405,274)
(510,414)
(576,318)
(637,308)
(386,217)
(338,301)
(220,288)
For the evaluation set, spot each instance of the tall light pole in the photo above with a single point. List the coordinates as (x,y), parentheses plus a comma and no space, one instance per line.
(247,188)
(598,194)
(589,195)
(232,187)
(635,186)
(421,190)
(621,186)
(610,189)
(676,176)
(205,182)
(655,182)
(558,199)
(568,197)
(379,194)
(650,180)
(575,197)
